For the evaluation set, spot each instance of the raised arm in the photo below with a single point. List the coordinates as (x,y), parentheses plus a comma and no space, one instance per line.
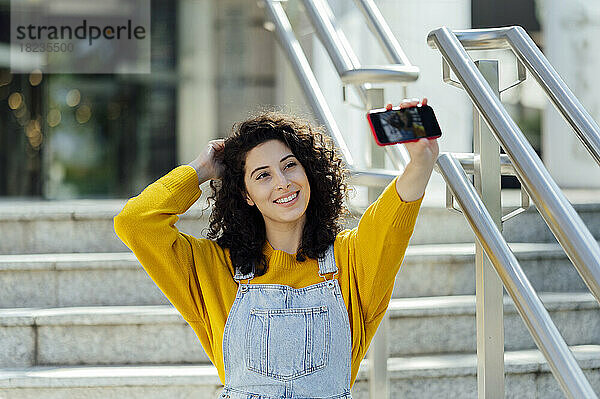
(147,226)
(423,155)
(382,235)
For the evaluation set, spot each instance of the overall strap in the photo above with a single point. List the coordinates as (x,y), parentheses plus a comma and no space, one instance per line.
(239,276)
(327,263)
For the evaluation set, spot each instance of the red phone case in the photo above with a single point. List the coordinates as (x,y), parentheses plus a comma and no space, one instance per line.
(399,142)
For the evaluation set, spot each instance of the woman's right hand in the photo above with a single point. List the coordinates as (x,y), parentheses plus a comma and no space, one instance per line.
(208,164)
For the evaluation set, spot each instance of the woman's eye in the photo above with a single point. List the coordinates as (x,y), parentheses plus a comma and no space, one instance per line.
(264,174)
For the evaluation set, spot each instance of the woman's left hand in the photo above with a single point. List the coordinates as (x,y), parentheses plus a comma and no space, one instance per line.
(423,155)
(424,152)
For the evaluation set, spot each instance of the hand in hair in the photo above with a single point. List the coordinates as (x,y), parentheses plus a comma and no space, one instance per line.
(208,164)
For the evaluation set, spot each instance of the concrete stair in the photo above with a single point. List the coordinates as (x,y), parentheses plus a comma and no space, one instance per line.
(80,226)
(72,279)
(158,334)
(116,381)
(71,326)
(527,376)
(76,279)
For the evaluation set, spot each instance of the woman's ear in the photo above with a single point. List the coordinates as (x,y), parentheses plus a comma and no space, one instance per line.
(248,199)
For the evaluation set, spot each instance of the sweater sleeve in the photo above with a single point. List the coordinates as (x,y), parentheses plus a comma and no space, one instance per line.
(147,226)
(379,243)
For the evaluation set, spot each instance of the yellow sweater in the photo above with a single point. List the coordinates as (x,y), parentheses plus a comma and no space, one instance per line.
(196,274)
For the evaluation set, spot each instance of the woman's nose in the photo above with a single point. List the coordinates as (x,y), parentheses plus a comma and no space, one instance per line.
(282,180)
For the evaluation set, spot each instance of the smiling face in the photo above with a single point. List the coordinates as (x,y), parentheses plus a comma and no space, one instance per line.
(276,183)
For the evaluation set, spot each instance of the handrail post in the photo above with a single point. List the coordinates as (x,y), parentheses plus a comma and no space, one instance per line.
(489,291)
(376,157)
(562,363)
(378,351)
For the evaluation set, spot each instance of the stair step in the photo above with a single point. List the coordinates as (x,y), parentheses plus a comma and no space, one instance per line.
(76,279)
(158,334)
(110,382)
(87,225)
(103,376)
(453,267)
(527,375)
(100,279)
(526,372)
(60,226)
(97,335)
(448,324)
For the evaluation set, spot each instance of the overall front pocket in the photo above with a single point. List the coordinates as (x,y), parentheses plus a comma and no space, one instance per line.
(287,343)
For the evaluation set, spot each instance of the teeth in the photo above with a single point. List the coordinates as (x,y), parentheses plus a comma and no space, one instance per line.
(287,199)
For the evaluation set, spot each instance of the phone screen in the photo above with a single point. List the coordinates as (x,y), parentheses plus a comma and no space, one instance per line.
(400,125)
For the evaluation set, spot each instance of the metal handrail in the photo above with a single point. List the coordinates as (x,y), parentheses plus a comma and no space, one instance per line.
(289,43)
(532,311)
(346,63)
(557,211)
(382,32)
(374,177)
(529,54)
(337,46)
(308,82)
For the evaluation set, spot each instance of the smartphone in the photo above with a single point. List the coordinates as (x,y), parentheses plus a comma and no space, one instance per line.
(403,125)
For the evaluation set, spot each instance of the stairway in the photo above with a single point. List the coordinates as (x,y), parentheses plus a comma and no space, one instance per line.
(79,317)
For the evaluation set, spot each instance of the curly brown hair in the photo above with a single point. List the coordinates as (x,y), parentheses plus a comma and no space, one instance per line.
(240,227)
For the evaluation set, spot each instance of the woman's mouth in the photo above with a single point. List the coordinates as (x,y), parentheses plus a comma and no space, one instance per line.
(289,200)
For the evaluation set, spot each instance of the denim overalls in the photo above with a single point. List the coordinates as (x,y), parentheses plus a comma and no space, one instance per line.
(283,342)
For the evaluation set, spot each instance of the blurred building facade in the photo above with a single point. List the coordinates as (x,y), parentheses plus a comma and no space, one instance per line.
(214,63)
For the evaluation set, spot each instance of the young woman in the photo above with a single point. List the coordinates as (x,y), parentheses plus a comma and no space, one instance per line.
(284,303)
